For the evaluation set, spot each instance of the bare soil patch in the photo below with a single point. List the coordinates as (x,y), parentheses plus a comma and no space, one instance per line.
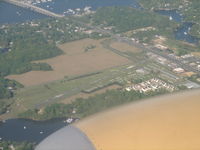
(196,54)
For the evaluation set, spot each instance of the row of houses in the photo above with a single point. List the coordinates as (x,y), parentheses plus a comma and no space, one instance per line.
(151,85)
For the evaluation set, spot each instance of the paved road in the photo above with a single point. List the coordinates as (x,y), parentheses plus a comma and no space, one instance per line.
(130,42)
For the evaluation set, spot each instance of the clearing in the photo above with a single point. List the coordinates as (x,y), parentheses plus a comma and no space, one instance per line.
(124,47)
(81,57)
(85,95)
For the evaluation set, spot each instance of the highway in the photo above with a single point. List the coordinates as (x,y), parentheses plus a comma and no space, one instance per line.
(34,8)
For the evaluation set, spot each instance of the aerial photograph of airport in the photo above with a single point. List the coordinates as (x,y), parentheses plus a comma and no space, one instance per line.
(99,74)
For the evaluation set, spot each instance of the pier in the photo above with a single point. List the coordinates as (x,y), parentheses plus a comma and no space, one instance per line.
(34,8)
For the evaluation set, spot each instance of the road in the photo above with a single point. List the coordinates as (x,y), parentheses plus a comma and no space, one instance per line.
(138,45)
(127,41)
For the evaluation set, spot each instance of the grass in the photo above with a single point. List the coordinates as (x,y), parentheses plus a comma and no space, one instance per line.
(66,90)
(124,47)
(30,97)
(75,61)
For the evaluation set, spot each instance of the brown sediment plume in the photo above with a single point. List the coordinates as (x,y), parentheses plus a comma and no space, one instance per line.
(162,123)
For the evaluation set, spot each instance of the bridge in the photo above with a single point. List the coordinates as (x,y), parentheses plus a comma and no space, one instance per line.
(34,8)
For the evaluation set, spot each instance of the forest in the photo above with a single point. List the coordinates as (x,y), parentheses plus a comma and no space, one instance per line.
(126,18)
(189,9)
(6,92)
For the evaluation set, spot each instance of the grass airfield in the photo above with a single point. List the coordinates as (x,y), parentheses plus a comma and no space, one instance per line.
(80,57)
(68,87)
(101,67)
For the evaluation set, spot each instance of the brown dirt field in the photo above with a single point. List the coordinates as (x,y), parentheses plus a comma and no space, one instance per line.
(188,74)
(162,123)
(75,61)
(131,32)
(160,40)
(124,47)
(196,54)
(84,95)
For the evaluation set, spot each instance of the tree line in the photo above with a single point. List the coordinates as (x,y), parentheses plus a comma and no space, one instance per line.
(88,106)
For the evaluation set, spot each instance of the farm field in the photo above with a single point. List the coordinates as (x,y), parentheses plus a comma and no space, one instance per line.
(81,57)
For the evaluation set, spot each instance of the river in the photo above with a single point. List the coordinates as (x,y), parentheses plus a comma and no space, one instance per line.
(28,130)
(181,33)
(60,6)
(14,14)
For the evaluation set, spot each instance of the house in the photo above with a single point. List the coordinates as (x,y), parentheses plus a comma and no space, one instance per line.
(179,70)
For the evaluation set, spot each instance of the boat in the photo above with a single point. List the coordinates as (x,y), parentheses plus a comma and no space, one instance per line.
(69,120)
(18,13)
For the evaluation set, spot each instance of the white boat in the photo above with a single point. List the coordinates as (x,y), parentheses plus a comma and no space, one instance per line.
(69,120)
(18,13)
(170,18)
